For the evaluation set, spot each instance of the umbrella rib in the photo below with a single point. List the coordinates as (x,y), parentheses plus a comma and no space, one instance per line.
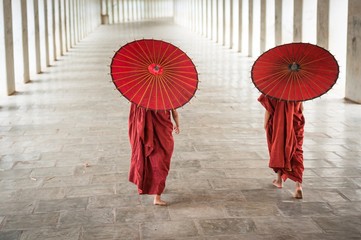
(149,82)
(145,54)
(129,88)
(136,93)
(182,67)
(150,52)
(161,59)
(185,89)
(175,75)
(171,61)
(161,93)
(166,83)
(275,75)
(288,81)
(277,80)
(131,63)
(151,90)
(131,76)
(164,62)
(133,71)
(126,83)
(159,52)
(300,87)
(316,60)
(169,65)
(134,57)
(185,83)
(161,80)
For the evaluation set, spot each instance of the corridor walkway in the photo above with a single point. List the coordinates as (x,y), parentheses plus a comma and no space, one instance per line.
(64,155)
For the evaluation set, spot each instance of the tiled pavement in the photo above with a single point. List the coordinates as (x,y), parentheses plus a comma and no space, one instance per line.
(65,155)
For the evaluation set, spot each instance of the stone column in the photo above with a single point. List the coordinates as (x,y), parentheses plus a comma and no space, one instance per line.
(37,37)
(54,29)
(240,14)
(60,29)
(112,10)
(278,22)
(46,28)
(323,9)
(7,48)
(353,70)
(297,20)
(123,12)
(25,40)
(211,19)
(263,26)
(118,10)
(66,27)
(71,24)
(76,20)
(206,18)
(250,27)
(223,22)
(231,24)
(217,20)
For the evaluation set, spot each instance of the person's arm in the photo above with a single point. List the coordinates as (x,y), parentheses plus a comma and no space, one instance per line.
(176,120)
(266,118)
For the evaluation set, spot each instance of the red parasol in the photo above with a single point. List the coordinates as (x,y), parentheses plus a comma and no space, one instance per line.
(154,74)
(295,72)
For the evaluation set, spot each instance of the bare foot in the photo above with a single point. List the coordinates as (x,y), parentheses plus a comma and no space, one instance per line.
(278,184)
(160,203)
(298,193)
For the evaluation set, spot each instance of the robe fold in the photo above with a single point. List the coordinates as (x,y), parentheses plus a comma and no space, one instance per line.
(285,132)
(151,140)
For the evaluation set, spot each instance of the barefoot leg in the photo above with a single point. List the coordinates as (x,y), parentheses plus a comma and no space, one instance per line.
(278,182)
(298,192)
(158,201)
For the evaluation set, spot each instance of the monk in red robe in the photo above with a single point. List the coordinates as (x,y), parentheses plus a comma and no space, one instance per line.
(151,140)
(284,124)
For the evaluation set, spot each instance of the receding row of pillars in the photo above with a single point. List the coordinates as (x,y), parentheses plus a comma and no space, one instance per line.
(71,21)
(118,11)
(209,17)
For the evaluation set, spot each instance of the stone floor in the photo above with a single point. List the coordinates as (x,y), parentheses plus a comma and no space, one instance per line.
(65,155)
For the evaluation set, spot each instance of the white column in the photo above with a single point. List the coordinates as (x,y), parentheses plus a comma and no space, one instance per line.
(216,23)
(297,20)
(263,26)
(223,22)
(353,70)
(37,37)
(71,23)
(250,27)
(60,28)
(76,21)
(278,22)
(231,24)
(240,7)
(46,28)
(123,11)
(25,40)
(53,8)
(66,25)
(6,48)
(323,9)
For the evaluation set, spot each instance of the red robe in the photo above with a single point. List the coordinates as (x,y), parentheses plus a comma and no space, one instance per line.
(285,131)
(151,140)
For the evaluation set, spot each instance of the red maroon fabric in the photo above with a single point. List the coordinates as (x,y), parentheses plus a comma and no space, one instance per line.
(151,140)
(285,132)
